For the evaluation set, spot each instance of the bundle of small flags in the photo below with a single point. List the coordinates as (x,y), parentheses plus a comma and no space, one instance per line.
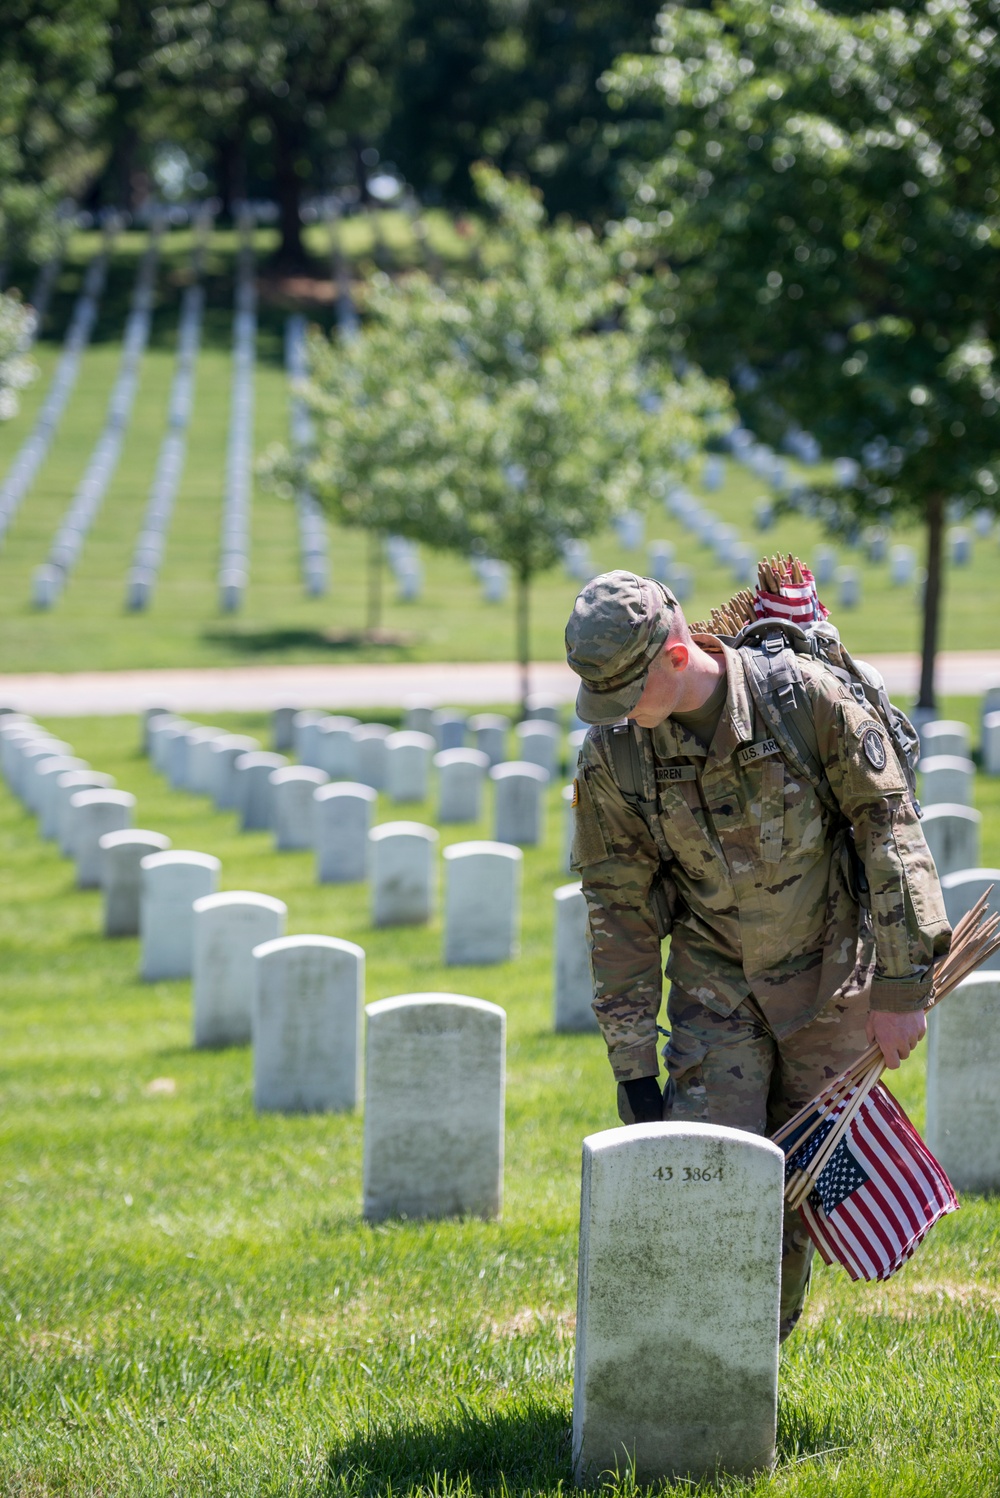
(868,1187)
(786,589)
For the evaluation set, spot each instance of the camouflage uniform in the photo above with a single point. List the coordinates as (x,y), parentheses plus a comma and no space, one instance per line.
(772,963)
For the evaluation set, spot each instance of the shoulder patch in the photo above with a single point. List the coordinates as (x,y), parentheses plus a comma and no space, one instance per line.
(873,745)
(576,793)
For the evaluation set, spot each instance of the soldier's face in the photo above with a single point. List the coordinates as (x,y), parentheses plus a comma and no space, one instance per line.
(664,687)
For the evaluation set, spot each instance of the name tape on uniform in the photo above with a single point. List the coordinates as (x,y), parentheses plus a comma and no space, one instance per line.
(667,774)
(754,752)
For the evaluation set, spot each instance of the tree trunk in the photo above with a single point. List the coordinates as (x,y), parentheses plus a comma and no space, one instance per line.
(375,548)
(288,191)
(523,631)
(932,599)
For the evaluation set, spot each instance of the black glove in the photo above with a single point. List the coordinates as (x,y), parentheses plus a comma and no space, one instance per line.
(640,1101)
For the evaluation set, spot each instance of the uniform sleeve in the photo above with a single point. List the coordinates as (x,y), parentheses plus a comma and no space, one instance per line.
(908,916)
(617,860)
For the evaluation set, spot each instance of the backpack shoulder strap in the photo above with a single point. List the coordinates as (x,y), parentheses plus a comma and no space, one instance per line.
(630,757)
(779,694)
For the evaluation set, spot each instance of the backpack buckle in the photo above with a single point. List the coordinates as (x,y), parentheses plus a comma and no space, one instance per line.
(858,693)
(774,643)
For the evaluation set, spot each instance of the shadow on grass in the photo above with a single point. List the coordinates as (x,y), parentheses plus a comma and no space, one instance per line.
(342,643)
(524,1449)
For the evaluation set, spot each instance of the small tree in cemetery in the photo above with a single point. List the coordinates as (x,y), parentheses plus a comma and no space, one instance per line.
(819,196)
(490,416)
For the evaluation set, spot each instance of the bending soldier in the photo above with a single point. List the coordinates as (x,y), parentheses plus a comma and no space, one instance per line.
(691,819)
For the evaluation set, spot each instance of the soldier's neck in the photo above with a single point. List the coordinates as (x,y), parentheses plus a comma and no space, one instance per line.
(700,679)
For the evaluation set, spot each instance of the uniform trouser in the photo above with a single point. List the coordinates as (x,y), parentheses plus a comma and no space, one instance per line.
(735,1071)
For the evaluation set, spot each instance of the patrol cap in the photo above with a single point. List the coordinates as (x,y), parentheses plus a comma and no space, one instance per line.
(618,626)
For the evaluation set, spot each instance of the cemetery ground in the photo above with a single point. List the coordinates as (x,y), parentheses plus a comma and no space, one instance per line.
(88,628)
(191,1305)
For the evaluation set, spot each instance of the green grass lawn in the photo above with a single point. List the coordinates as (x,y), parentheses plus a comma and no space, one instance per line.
(191,1305)
(89,629)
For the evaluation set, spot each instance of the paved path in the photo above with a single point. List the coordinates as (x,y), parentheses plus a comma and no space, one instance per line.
(260,688)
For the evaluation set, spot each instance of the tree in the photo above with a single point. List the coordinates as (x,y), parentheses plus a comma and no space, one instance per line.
(492,416)
(17,369)
(818,193)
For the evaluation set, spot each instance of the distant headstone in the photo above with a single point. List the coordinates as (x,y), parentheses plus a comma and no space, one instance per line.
(482,903)
(630,525)
(402,873)
(952,834)
(491,730)
(677,1378)
(161,739)
(292,807)
(961,891)
(449,728)
(434,1115)
(171,882)
(573,986)
(538,744)
(304,727)
(336,749)
(991,743)
(47,772)
(283,729)
(824,565)
(541,707)
(961,547)
(370,741)
(946,778)
(681,582)
(227,928)
(945,736)
(146,718)
(307,1007)
(201,760)
(65,789)
(93,813)
(461,773)
(121,876)
(963,1100)
(902,566)
(224,782)
(848,587)
(343,814)
(418,714)
(519,803)
(659,555)
(254,791)
(407,765)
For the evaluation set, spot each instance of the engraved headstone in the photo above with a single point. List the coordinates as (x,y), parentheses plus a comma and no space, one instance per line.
(946,778)
(573,986)
(407,765)
(227,928)
(952,834)
(677,1366)
(403,873)
(434,1115)
(292,807)
(121,876)
(307,1013)
(482,903)
(519,803)
(171,882)
(461,773)
(254,791)
(963,1100)
(92,814)
(344,813)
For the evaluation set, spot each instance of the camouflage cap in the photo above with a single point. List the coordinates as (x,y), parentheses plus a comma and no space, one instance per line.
(618,626)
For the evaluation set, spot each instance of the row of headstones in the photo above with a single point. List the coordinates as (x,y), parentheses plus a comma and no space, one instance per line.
(51,577)
(35,448)
(147,556)
(234,549)
(314,560)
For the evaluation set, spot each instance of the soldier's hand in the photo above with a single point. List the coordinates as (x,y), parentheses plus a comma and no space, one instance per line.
(640,1101)
(897,1034)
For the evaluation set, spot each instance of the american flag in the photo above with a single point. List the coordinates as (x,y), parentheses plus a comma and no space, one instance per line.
(797,602)
(880,1192)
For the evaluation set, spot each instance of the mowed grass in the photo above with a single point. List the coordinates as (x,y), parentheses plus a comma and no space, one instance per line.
(191,1305)
(89,628)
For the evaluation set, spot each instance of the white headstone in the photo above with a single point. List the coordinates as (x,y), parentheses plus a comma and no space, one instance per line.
(171,882)
(848,587)
(292,807)
(946,778)
(990,701)
(991,743)
(370,741)
(121,876)
(403,873)
(66,788)
(461,773)
(201,760)
(343,814)
(418,714)
(307,1010)
(540,707)
(482,903)
(538,744)
(659,555)
(92,814)
(945,736)
(519,805)
(449,728)
(283,729)
(961,547)
(491,730)
(952,834)
(434,1115)
(573,986)
(304,733)
(47,772)
(407,765)
(227,928)
(161,737)
(225,751)
(677,1359)
(254,791)
(335,747)
(961,891)
(902,566)
(963,1100)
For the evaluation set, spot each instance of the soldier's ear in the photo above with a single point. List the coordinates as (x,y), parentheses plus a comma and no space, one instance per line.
(678,656)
